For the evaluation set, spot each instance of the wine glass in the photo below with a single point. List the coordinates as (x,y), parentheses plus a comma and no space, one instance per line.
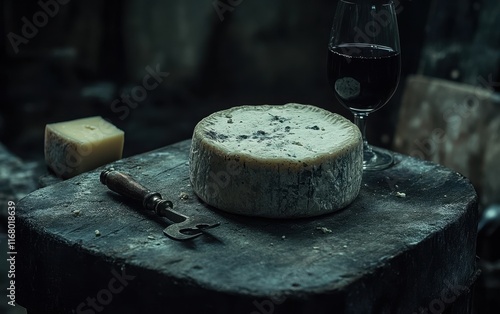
(364,64)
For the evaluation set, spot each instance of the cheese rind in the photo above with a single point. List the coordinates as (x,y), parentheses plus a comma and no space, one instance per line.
(77,146)
(284,161)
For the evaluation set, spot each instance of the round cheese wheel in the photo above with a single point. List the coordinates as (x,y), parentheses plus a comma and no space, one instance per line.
(281,161)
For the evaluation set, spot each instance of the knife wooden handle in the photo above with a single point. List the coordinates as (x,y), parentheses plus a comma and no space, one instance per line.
(124,184)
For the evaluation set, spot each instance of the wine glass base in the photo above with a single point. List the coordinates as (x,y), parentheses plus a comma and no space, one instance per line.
(376,159)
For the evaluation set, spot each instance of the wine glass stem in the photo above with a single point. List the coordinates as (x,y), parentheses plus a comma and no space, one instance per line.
(360,121)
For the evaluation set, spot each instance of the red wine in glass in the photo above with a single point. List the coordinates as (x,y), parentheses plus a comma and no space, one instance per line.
(364,64)
(365,79)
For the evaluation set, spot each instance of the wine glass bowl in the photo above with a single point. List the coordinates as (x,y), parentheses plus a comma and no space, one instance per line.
(364,64)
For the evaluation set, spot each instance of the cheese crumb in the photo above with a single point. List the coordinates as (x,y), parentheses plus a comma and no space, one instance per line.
(400,194)
(76,212)
(283,237)
(324,229)
(97,233)
(183,196)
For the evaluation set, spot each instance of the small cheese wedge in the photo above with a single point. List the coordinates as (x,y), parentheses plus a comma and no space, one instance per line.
(281,161)
(77,146)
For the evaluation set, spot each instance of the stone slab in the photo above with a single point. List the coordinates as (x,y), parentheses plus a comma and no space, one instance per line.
(387,252)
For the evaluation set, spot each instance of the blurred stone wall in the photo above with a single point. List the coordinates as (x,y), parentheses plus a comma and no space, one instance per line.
(457,94)
(463,42)
(213,55)
(453,124)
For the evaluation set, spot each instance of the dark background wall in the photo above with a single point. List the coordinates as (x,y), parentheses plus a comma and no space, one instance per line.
(90,53)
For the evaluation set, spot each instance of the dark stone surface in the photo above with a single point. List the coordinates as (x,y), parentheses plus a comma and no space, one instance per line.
(16,179)
(383,254)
